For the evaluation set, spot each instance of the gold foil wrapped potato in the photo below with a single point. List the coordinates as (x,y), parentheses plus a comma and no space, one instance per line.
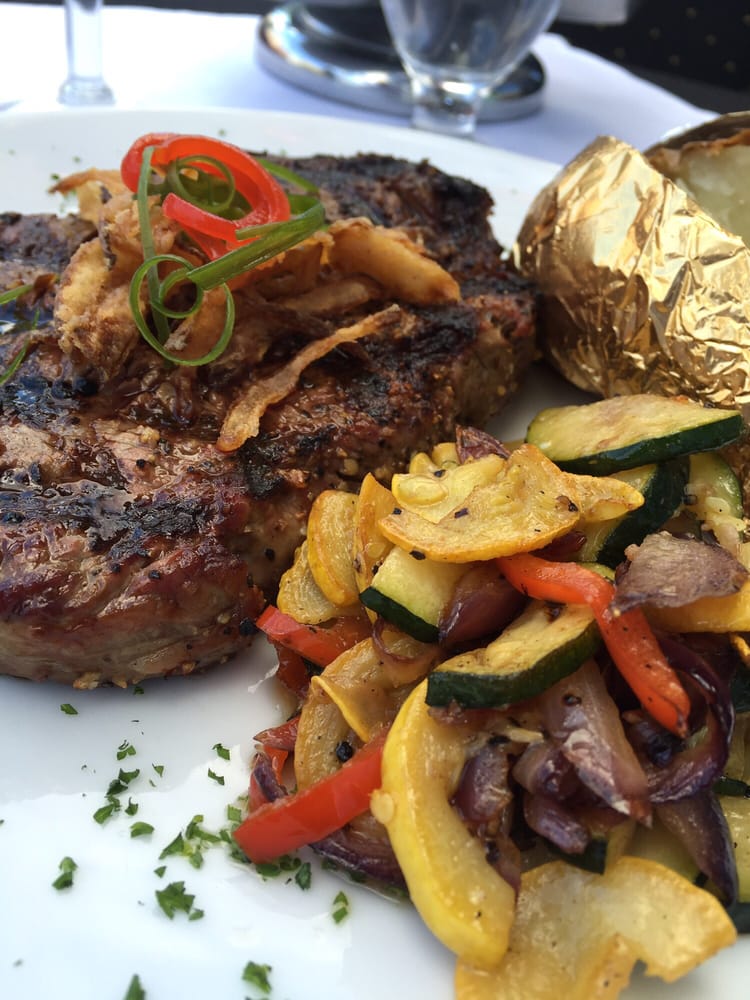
(642,289)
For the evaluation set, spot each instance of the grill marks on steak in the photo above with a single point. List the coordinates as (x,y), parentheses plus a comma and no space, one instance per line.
(130,546)
(401,395)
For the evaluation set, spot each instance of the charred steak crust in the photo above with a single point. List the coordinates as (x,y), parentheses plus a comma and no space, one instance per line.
(449,214)
(131,547)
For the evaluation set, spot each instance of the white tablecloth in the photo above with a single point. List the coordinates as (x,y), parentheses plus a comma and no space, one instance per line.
(165,59)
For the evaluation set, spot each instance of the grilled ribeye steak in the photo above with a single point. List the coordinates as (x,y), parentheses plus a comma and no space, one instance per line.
(131,547)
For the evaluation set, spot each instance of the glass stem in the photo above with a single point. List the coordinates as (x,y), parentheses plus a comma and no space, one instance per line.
(447,107)
(85,83)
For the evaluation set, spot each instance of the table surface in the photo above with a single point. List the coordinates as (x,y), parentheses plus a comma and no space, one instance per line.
(179,58)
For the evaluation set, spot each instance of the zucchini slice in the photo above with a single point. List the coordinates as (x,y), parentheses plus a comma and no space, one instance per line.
(714,497)
(737,813)
(544,644)
(662,486)
(411,593)
(628,431)
(604,848)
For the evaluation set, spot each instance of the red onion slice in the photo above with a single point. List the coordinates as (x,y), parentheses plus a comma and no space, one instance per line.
(584,720)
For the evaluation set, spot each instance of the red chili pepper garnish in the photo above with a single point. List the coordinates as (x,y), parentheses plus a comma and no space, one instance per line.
(253,186)
(293,821)
(320,644)
(628,636)
(130,168)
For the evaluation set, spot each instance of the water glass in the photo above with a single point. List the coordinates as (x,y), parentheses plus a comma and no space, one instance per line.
(85,83)
(456,52)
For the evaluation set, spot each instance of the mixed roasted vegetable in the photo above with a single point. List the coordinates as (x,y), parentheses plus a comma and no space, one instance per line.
(523,695)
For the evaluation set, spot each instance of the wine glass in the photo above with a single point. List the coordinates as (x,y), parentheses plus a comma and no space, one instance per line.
(85,83)
(456,51)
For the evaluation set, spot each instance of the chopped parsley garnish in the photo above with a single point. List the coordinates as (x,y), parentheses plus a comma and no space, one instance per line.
(218,778)
(272,869)
(159,768)
(68,709)
(121,782)
(65,879)
(194,831)
(257,976)
(141,829)
(135,990)
(268,869)
(340,907)
(173,899)
(103,813)
(159,872)
(176,846)
(221,751)
(131,808)
(137,689)
(234,814)
(125,749)
(303,878)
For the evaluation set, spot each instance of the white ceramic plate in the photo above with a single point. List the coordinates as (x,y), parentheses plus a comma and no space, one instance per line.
(86,942)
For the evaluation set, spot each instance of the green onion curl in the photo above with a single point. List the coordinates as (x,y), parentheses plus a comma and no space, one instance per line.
(14,293)
(268,241)
(207,191)
(15,362)
(285,174)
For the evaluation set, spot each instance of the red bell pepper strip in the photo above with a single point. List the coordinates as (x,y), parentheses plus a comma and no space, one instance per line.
(320,644)
(305,817)
(213,232)
(282,737)
(292,671)
(628,635)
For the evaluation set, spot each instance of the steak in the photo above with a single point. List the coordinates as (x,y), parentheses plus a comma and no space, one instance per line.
(131,546)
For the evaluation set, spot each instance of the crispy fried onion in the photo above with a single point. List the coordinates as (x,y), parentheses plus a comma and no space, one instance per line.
(393,260)
(329,275)
(92,187)
(92,311)
(242,422)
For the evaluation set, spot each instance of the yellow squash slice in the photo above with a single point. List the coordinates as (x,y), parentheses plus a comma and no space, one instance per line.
(370,546)
(299,594)
(442,456)
(578,935)
(526,506)
(434,493)
(602,498)
(460,897)
(330,538)
(362,689)
(730,613)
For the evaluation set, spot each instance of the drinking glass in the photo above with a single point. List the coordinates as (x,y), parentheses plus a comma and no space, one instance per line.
(456,51)
(85,83)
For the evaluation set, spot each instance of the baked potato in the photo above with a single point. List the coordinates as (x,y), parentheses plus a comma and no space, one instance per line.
(643,265)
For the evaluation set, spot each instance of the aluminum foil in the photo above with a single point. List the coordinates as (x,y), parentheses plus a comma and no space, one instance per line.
(642,291)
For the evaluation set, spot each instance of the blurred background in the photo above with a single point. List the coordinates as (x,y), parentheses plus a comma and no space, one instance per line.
(694,48)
